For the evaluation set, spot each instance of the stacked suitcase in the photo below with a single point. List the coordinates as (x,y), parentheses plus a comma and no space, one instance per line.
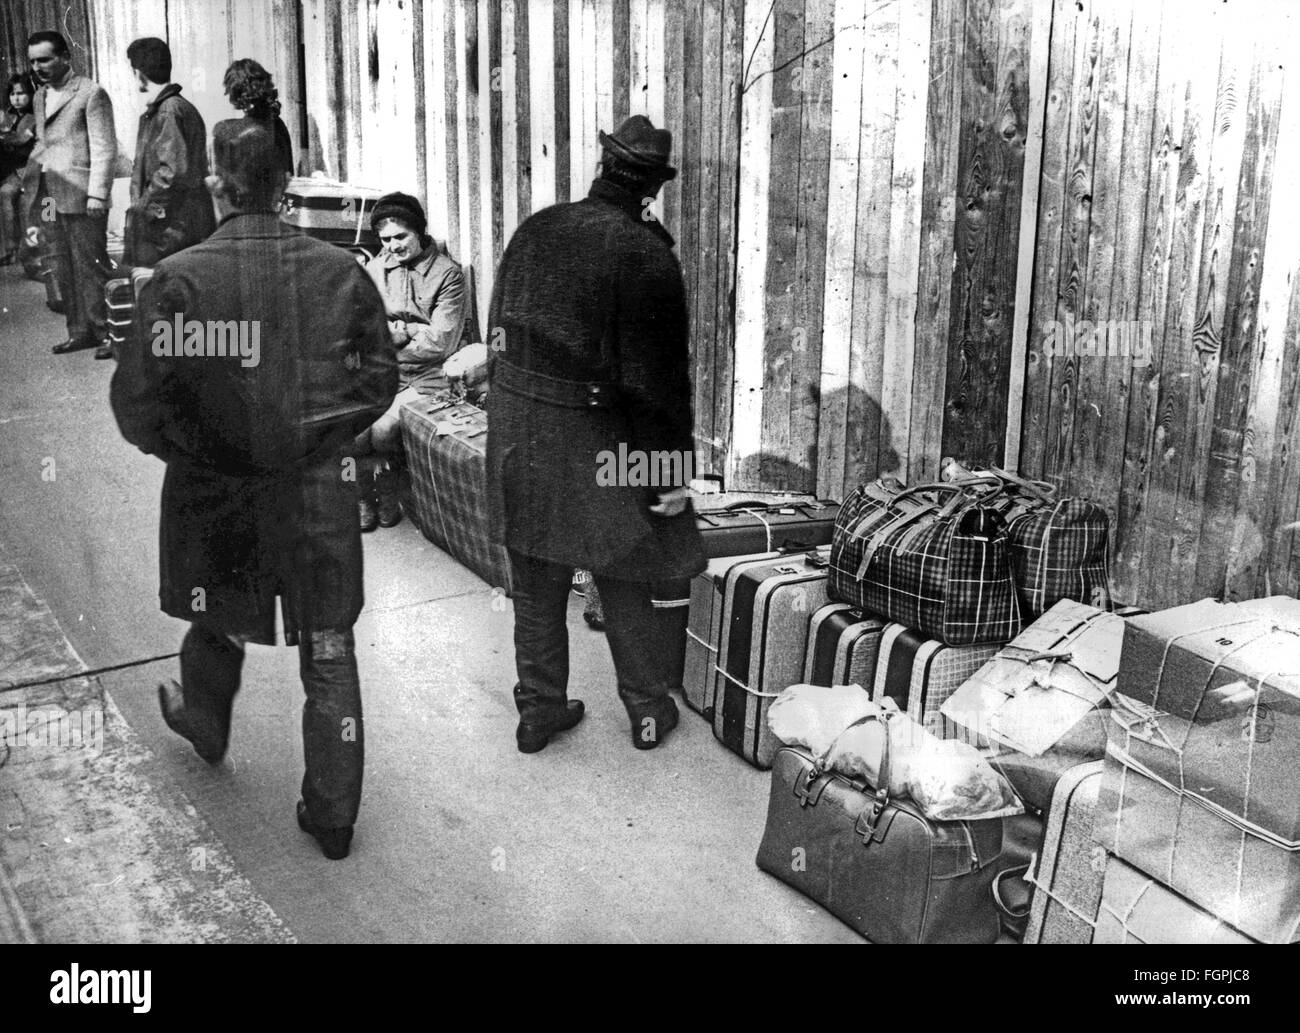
(337,213)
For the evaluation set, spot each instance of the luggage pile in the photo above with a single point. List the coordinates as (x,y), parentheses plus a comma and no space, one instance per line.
(1147,753)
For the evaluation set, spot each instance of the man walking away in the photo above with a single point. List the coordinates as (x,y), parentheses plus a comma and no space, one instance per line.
(68,179)
(589,321)
(255,358)
(170,206)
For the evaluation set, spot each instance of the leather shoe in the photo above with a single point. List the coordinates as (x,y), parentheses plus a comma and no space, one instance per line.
(652,723)
(104,351)
(171,701)
(334,843)
(72,344)
(367,513)
(534,733)
(387,503)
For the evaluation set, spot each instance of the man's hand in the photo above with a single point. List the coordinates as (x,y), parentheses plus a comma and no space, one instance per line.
(96,207)
(671,503)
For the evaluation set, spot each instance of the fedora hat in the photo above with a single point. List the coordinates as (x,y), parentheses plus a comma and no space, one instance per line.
(638,142)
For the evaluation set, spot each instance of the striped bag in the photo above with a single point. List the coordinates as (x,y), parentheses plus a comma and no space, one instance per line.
(935,558)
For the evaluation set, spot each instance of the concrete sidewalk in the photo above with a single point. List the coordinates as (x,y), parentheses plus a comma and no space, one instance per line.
(461,838)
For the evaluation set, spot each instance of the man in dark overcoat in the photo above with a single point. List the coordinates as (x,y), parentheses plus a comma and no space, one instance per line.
(255,358)
(588,331)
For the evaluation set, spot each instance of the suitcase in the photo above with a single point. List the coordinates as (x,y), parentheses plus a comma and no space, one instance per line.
(446,454)
(1068,875)
(843,645)
(920,673)
(766,608)
(704,627)
(1136,909)
(335,212)
(746,526)
(878,864)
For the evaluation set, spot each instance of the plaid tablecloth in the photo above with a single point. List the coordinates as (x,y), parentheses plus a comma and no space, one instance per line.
(446,450)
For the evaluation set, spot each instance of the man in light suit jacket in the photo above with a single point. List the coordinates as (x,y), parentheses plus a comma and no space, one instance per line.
(69,176)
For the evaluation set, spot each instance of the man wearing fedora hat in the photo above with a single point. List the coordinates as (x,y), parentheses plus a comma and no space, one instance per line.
(590,359)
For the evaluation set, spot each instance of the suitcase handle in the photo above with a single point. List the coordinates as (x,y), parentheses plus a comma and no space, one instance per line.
(866,824)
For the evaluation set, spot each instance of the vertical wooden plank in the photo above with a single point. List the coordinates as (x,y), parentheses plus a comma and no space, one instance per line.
(598,96)
(903,281)
(874,219)
(1211,299)
(454,70)
(1095,418)
(579,86)
(1040,31)
(841,239)
(1042,366)
(1197,49)
(1227,544)
(489,144)
(938,222)
(776,332)
(1269,451)
(560,66)
(436,186)
(811,234)
(628,30)
(674,114)
(655,26)
(713,385)
(752,245)
(394,99)
(729,201)
(524,114)
(689,230)
(420,98)
(1160,184)
(322,36)
(994,113)
(511,167)
(466,42)
(543,136)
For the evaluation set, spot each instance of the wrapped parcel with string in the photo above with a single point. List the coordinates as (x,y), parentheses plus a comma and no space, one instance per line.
(1200,785)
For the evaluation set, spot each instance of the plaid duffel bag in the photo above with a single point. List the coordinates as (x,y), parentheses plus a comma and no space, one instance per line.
(1059,546)
(935,558)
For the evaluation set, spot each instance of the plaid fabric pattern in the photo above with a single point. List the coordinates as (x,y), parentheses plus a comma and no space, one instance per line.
(448,497)
(1059,550)
(933,560)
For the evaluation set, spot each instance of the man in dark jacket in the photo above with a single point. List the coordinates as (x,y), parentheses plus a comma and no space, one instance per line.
(170,206)
(255,358)
(590,365)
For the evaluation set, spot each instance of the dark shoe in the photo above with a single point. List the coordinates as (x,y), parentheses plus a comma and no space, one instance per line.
(534,733)
(171,701)
(390,508)
(334,843)
(104,351)
(32,272)
(651,724)
(73,344)
(368,512)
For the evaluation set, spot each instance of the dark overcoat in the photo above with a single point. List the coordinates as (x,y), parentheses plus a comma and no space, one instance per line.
(260,498)
(170,204)
(589,355)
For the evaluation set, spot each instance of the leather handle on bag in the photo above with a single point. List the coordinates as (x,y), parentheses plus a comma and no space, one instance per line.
(867,826)
(1044,490)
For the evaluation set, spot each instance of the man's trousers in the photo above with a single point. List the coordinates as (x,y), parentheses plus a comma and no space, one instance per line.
(77,250)
(333,743)
(541,600)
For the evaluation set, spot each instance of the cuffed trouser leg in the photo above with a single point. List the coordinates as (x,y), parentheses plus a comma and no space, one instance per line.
(541,598)
(640,662)
(78,248)
(210,668)
(332,733)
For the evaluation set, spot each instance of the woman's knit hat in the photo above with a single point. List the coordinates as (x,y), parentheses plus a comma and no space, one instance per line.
(399,206)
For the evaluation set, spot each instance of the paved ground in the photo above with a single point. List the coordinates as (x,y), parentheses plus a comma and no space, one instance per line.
(461,837)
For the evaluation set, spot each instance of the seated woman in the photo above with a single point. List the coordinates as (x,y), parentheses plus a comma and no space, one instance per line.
(17,138)
(424,293)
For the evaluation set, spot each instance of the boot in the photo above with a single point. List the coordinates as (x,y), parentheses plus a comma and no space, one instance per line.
(389,506)
(368,505)
(536,730)
(651,722)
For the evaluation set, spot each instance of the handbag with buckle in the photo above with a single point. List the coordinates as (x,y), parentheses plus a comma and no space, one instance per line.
(876,862)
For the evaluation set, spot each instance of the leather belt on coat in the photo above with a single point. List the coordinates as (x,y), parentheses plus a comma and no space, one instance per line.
(538,387)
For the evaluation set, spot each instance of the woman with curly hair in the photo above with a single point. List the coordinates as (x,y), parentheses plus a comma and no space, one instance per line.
(17,138)
(251,89)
